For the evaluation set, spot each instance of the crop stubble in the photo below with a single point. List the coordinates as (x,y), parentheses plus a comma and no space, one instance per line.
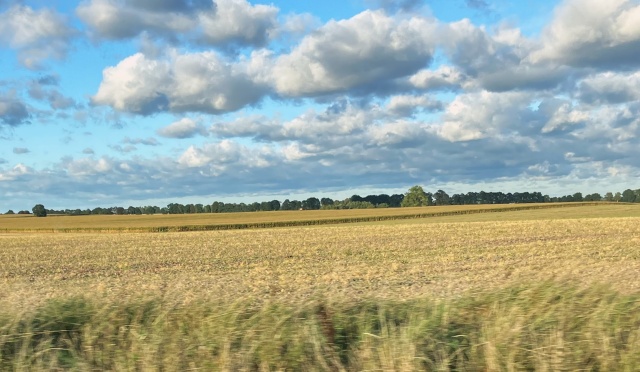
(382,260)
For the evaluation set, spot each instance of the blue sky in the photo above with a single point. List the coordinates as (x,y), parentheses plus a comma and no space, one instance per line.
(136,102)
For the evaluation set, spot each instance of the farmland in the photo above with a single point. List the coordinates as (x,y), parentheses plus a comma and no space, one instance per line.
(447,291)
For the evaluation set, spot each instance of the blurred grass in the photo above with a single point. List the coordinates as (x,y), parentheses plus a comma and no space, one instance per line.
(543,326)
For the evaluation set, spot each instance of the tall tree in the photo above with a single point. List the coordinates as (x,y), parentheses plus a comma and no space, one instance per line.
(441,198)
(415,197)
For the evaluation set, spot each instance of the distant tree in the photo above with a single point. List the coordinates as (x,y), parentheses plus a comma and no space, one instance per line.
(577,197)
(286,205)
(608,196)
(311,204)
(296,205)
(415,197)
(275,205)
(10,212)
(326,201)
(395,200)
(441,198)
(217,207)
(593,197)
(356,198)
(617,197)
(39,210)
(628,196)
(24,212)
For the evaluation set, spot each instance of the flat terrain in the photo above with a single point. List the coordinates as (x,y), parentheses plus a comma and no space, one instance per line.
(124,222)
(542,289)
(439,255)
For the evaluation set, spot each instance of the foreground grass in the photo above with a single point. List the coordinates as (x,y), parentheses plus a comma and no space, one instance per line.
(546,326)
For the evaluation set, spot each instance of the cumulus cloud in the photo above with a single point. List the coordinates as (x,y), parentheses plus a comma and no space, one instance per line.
(222,23)
(183,128)
(197,82)
(369,51)
(35,34)
(238,22)
(593,33)
(220,157)
(565,116)
(405,105)
(478,115)
(610,87)
(443,78)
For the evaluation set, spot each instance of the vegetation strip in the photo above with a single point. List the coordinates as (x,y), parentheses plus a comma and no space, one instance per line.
(544,326)
(292,223)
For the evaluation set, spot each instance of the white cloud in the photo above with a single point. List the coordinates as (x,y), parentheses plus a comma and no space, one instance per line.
(239,22)
(225,156)
(443,78)
(406,105)
(473,116)
(595,33)
(197,82)
(221,23)
(565,116)
(610,87)
(183,128)
(35,34)
(368,50)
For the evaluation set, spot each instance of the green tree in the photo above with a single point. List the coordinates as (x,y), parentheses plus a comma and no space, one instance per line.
(10,211)
(415,197)
(608,196)
(441,198)
(311,204)
(39,210)
(628,196)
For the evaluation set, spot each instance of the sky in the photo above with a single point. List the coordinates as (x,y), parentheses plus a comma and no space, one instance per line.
(147,102)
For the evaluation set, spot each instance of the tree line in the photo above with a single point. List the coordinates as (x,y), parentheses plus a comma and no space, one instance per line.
(414,197)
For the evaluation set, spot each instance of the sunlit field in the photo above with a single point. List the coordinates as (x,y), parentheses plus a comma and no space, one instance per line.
(528,289)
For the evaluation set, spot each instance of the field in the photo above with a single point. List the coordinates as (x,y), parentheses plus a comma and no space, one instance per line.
(524,289)
(222,221)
